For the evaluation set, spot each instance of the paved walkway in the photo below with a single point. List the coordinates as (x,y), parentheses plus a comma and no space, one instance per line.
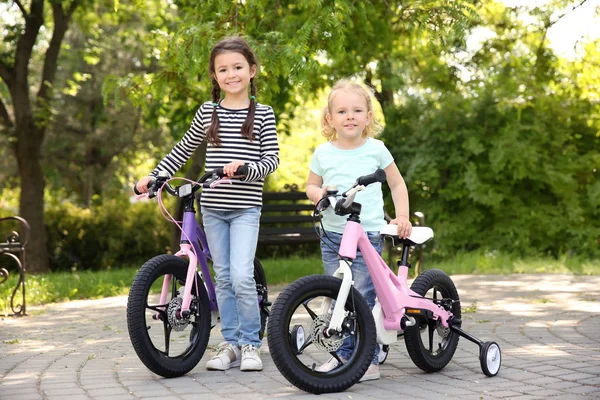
(548,328)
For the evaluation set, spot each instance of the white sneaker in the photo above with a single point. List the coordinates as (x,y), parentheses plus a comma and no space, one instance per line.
(251,358)
(227,356)
(330,364)
(372,373)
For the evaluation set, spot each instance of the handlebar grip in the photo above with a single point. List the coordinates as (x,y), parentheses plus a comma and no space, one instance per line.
(377,176)
(150,184)
(242,170)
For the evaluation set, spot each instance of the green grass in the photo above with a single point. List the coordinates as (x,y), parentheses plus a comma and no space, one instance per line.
(499,263)
(287,270)
(65,286)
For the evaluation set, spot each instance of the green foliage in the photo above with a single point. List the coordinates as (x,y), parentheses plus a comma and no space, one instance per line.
(502,263)
(499,144)
(507,158)
(106,235)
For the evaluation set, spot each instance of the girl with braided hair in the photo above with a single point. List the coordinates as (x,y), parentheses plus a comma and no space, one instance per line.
(239,131)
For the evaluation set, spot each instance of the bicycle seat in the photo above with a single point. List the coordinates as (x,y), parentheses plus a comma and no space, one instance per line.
(418,235)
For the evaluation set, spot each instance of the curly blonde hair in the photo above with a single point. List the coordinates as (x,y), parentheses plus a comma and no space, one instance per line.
(372,129)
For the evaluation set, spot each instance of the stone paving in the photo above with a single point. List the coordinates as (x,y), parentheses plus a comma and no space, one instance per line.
(548,327)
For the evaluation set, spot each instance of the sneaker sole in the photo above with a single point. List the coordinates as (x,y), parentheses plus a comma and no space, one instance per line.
(246,368)
(232,365)
(370,377)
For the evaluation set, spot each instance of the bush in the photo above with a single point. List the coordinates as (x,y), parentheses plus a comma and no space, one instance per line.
(107,235)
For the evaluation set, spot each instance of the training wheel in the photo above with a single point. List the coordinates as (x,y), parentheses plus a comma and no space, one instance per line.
(384,350)
(297,338)
(490,358)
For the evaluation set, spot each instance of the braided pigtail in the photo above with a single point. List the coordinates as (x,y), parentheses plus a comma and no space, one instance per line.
(212,135)
(248,127)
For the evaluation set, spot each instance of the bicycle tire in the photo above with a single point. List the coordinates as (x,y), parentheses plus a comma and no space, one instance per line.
(288,361)
(139,319)
(263,296)
(429,359)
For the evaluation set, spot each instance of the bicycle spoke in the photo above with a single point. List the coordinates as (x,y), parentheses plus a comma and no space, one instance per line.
(159,307)
(308,310)
(338,358)
(173,287)
(431,331)
(167,330)
(305,345)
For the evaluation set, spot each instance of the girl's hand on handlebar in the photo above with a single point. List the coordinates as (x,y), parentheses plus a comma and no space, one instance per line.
(231,168)
(318,195)
(404,226)
(142,184)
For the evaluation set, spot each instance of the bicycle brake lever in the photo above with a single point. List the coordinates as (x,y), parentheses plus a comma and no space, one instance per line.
(220,181)
(351,194)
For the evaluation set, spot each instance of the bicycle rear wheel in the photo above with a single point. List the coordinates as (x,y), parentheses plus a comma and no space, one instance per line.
(430,345)
(263,296)
(167,345)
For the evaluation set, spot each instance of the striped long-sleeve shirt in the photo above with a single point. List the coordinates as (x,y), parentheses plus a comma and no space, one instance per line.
(261,155)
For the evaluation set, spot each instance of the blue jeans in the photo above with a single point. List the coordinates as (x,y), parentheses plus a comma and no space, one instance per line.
(232,237)
(360,274)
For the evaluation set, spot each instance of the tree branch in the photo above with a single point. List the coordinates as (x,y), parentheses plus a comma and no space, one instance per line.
(7,74)
(27,40)
(550,23)
(5,117)
(72,8)
(18,81)
(369,83)
(23,10)
(61,24)
(547,25)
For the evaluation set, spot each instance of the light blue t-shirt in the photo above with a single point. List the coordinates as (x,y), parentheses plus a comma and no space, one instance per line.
(342,168)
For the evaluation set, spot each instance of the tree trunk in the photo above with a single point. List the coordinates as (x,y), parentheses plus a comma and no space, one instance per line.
(31,199)
(31,118)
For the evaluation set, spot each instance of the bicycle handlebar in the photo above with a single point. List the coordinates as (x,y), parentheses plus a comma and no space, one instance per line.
(342,204)
(161,179)
(377,176)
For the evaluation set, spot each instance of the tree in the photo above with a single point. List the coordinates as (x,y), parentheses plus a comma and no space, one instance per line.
(292,40)
(301,44)
(89,141)
(24,115)
(500,146)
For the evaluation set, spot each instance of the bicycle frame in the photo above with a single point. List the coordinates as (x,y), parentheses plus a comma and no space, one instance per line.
(194,246)
(192,236)
(392,291)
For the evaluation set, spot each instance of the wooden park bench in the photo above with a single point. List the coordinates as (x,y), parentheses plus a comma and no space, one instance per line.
(14,248)
(286,218)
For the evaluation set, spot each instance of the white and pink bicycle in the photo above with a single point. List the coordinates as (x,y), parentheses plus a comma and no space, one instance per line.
(314,315)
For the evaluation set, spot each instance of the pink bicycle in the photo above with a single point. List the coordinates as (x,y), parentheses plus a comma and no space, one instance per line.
(314,315)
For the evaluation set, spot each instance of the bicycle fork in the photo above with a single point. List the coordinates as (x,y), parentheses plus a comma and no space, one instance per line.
(184,311)
(338,315)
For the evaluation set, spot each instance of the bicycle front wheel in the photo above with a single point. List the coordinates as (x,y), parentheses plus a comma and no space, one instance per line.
(299,341)
(167,345)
